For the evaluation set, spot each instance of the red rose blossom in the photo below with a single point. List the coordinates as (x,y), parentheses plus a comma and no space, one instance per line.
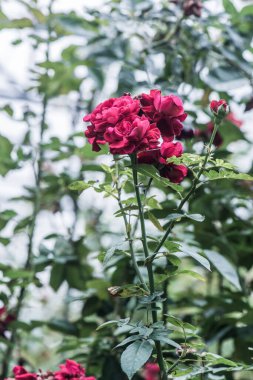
(112,111)
(158,157)
(167,111)
(175,173)
(94,138)
(21,373)
(219,107)
(108,114)
(131,135)
(71,370)
(151,371)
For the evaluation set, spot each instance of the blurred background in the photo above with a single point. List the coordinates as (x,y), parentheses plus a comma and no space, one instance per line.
(58,60)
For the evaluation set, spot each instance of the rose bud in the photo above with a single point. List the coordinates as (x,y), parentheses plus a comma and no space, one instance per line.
(219,108)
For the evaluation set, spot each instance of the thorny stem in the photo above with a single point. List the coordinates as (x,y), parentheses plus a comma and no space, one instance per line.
(36,208)
(127,227)
(174,365)
(192,189)
(145,194)
(170,227)
(160,358)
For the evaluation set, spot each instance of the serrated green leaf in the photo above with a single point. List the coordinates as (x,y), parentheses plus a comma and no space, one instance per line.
(107,324)
(193,252)
(224,267)
(128,340)
(196,217)
(192,274)
(155,221)
(63,326)
(226,174)
(217,359)
(79,186)
(135,356)
(164,339)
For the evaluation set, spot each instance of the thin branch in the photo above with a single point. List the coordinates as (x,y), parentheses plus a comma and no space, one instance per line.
(191,191)
(128,232)
(160,358)
(36,209)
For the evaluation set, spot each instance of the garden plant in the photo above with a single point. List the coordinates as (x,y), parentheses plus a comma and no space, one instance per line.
(126,187)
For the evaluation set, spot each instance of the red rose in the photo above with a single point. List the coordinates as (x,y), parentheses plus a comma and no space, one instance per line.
(175,173)
(19,370)
(21,373)
(112,111)
(131,135)
(26,376)
(169,149)
(167,111)
(150,157)
(70,370)
(151,371)
(108,114)
(158,157)
(219,107)
(94,138)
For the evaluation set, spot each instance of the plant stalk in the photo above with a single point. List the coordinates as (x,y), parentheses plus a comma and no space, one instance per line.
(192,189)
(36,208)
(160,359)
(128,232)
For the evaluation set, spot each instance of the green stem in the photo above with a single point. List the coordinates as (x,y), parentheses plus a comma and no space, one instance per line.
(36,208)
(128,232)
(160,359)
(174,365)
(192,189)
(28,263)
(145,195)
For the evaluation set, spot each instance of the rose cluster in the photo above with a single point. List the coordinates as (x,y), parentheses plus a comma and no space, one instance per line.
(145,125)
(68,371)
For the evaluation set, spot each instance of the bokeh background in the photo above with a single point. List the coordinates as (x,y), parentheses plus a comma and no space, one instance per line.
(58,60)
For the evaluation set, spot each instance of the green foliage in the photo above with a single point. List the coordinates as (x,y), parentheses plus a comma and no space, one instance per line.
(135,356)
(87,252)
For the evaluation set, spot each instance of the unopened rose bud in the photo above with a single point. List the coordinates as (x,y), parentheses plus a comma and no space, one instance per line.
(219,108)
